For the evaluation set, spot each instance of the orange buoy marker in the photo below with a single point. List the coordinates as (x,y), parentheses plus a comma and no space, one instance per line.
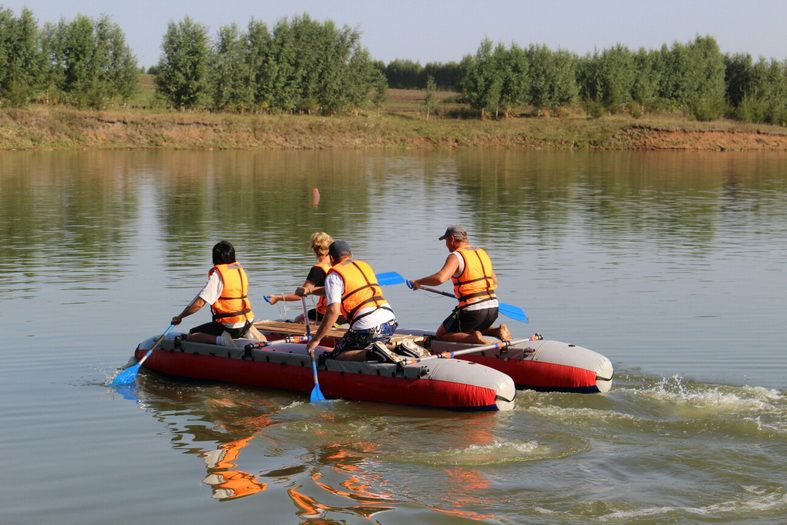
(315,197)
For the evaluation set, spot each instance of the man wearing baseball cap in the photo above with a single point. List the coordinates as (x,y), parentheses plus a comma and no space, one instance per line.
(351,290)
(474,279)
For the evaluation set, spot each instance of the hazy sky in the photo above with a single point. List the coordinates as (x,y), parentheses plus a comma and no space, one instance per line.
(442,31)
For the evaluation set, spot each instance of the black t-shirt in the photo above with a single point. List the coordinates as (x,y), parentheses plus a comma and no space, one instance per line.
(317,276)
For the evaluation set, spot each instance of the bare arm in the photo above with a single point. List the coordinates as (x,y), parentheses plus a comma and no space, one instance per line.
(193,307)
(449,268)
(308,288)
(328,320)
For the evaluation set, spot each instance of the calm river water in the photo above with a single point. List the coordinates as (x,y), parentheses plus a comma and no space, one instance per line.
(672,265)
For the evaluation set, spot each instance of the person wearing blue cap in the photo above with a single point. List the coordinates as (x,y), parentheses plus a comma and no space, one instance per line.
(470,270)
(352,291)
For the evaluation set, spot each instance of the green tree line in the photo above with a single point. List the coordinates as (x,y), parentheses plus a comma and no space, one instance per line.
(304,66)
(84,62)
(409,74)
(695,78)
(301,65)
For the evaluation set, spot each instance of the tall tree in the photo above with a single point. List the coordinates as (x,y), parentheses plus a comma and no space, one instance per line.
(87,63)
(647,77)
(707,98)
(430,99)
(122,73)
(183,67)
(258,48)
(553,77)
(229,81)
(20,57)
(482,80)
(514,70)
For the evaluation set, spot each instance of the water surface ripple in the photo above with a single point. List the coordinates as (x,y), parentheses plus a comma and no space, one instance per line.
(672,265)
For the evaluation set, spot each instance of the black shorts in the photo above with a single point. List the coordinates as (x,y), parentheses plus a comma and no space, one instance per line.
(314,315)
(214,328)
(465,321)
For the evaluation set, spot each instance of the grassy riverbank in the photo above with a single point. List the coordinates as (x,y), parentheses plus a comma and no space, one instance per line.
(400,124)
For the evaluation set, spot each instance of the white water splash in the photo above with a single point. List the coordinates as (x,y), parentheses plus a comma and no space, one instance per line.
(591,415)
(758,500)
(679,392)
(493,453)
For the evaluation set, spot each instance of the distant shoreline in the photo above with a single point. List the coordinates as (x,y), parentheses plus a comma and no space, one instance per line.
(61,128)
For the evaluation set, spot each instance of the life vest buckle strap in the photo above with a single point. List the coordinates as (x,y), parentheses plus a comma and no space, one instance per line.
(216,316)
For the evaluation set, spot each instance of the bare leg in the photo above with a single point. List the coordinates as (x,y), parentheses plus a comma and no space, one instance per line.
(199,337)
(501,332)
(473,338)
(352,355)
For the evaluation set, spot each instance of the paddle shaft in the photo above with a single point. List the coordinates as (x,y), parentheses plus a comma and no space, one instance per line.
(449,355)
(306,319)
(316,395)
(288,339)
(509,310)
(435,290)
(158,342)
(129,375)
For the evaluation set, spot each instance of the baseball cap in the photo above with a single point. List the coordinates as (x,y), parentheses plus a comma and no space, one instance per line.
(455,231)
(339,249)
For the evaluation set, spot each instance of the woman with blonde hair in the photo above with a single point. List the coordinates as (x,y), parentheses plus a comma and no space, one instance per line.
(315,281)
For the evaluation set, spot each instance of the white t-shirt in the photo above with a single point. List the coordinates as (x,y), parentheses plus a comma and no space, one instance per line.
(334,289)
(480,305)
(211,292)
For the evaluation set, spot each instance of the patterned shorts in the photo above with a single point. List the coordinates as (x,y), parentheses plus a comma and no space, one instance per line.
(365,338)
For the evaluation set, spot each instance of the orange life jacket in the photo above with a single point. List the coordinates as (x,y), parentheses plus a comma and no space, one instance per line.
(476,283)
(233,306)
(360,289)
(322,302)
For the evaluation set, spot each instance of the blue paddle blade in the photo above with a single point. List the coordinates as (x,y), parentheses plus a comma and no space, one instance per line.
(390,278)
(316,395)
(128,392)
(126,377)
(512,311)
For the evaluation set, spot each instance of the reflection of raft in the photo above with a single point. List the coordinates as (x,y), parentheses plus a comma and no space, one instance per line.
(439,383)
(542,365)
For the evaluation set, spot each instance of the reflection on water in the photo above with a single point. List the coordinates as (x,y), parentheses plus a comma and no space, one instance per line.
(226,482)
(87,210)
(647,445)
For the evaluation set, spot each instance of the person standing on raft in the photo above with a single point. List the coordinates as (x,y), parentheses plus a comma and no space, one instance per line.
(470,270)
(352,291)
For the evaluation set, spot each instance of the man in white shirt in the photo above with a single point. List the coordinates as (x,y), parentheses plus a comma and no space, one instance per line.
(227,294)
(474,280)
(352,291)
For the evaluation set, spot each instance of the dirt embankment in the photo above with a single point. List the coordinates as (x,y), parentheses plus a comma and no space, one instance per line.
(638,137)
(45,128)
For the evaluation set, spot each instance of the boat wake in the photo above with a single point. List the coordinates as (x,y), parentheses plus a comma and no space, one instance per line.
(752,500)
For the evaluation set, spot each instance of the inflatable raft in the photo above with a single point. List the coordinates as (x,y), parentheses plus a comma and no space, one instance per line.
(438,383)
(544,365)
(537,364)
